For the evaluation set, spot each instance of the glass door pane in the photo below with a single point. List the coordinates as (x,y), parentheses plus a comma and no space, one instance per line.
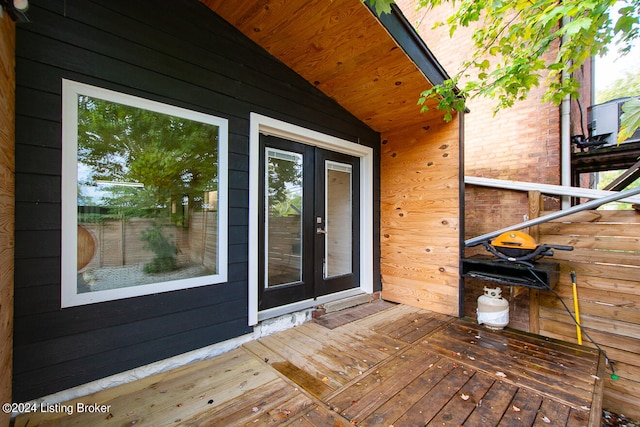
(283,228)
(339,215)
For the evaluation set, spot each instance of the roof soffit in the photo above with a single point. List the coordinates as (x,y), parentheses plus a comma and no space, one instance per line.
(342,48)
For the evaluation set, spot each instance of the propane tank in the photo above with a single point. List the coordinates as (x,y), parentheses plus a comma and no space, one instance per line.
(493,310)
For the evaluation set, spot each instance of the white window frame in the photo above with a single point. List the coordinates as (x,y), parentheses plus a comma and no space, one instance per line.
(270,126)
(69,288)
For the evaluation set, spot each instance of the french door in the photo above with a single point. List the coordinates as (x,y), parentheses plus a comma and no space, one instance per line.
(309,232)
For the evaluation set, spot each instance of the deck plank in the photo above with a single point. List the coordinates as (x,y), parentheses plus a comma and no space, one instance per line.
(362,344)
(580,418)
(300,358)
(458,409)
(398,366)
(339,318)
(270,404)
(557,377)
(380,320)
(353,333)
(330,357)
(581,357)
(519,368)
(320,416)
(168,396)
(409,326)
(523,410)
(489,410)
(300,376)
(437,397)
(552,413)
(406,364)
(389,385)
(389,412)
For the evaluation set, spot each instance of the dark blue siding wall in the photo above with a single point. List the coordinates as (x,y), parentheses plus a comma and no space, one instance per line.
(177,52)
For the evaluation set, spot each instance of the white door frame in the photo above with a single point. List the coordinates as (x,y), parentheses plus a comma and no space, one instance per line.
(267,125)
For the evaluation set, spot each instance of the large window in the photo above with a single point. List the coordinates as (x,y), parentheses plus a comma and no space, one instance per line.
(144,196)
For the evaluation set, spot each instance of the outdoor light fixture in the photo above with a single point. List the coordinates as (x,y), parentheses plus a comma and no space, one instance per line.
(16,9)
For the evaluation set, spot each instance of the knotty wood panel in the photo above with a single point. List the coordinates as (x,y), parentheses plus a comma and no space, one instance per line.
(606,261)
(420,217)
(7,199)
(357,65)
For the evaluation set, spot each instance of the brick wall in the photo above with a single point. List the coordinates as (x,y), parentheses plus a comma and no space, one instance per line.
(521,144)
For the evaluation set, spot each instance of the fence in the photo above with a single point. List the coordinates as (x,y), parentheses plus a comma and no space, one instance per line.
(606,260)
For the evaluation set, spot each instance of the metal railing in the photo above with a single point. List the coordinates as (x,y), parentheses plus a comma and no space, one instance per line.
(566,191)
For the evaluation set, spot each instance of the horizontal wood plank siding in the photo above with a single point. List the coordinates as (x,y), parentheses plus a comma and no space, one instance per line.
(7,210)
(606,259)
(176,52)
(420,216)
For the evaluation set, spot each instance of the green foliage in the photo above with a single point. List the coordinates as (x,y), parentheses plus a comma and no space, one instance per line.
(511,44)
(381,6)
(291,206)
(282,175)
(149,162)
(630,119)
(605,178)
(629,85)
(171,156)
(165,259)
(449,99)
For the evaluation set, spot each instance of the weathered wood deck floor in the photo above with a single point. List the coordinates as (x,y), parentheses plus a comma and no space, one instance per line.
(387,365)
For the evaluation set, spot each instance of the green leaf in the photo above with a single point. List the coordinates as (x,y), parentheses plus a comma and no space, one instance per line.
(630,119)
(520,35)
(381,6)
(625,23)
(574,26)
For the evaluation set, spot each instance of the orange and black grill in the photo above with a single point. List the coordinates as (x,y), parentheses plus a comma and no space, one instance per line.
(516,262)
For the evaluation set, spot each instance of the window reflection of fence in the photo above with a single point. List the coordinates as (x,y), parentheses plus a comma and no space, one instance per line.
(284,249)
(119,242)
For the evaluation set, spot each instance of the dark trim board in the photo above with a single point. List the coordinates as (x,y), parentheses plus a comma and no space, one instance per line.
(412,44)
(176,52)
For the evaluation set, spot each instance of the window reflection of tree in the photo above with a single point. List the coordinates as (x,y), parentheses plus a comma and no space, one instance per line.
(150,165)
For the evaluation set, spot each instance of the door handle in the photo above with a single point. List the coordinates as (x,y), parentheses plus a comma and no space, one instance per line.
(320,231)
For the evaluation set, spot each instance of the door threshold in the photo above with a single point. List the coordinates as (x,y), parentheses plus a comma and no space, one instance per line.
(309,303)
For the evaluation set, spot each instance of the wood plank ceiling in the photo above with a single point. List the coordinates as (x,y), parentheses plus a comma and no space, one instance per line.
(340,47)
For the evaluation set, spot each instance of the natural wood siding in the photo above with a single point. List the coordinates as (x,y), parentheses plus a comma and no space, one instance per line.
(606,259)
(7,161)
(177,52)
(341,48)
(420,216)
